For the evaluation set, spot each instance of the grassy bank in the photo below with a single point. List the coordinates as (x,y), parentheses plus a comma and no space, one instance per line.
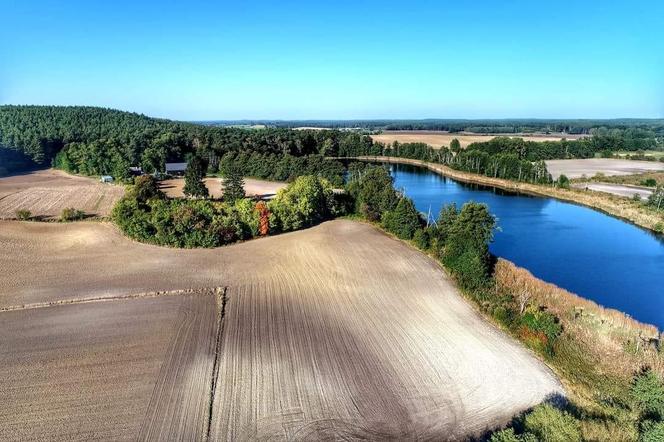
(597,356)
(624,208)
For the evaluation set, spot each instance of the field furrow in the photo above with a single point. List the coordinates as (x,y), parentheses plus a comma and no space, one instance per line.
(334,332)
(107,370)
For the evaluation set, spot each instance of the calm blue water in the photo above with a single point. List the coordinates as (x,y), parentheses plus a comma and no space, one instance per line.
(599,257)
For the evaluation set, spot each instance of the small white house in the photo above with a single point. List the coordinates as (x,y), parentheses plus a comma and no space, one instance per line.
(106,179)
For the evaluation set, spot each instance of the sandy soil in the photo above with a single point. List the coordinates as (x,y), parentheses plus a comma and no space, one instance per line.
(46,192)
(252,187)
(608,166)
(320,338)
(439,139)
(116,370)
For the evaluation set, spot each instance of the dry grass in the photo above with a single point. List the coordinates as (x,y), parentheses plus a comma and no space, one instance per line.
(46,192)
(116,370)
(253,187)
(621,344)
(321,339)
(634,179)
(596,356)
(442,139)
(612,204)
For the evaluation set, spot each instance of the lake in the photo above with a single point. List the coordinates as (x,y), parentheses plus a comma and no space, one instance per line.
(602,258)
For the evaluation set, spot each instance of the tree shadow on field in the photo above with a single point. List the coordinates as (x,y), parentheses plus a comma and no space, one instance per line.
(556,400)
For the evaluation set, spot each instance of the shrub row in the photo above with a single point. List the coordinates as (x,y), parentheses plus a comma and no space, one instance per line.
(147,215)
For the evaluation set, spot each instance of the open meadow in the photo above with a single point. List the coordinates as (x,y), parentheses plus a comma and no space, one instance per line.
(319,339)
(46,192)
(442,139)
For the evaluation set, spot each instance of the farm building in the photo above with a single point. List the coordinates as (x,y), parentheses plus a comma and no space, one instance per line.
(176,168)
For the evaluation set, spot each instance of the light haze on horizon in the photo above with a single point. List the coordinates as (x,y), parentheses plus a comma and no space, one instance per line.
(346,60)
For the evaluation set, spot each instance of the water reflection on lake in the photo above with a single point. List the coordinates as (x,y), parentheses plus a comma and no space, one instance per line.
(582,250)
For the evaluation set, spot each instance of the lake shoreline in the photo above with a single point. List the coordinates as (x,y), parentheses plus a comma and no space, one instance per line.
(615,206)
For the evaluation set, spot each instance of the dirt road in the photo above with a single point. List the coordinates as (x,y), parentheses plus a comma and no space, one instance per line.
(615,189)
(320,338)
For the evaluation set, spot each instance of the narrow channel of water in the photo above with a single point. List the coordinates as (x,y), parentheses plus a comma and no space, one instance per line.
(594,255)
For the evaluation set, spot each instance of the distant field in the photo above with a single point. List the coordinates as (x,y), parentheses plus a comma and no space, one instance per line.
(137,369)
(321,341)
(607,166)
(439,139)
(252,187)
(46,192)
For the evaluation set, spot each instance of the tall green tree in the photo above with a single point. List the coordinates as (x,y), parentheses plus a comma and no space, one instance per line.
(303,203)
(404,220)
(194,185)
(455,145)
(376,193)
(146,188)
(467,246)
(233,184)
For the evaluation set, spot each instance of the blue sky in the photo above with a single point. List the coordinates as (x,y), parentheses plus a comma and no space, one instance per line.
(363,59)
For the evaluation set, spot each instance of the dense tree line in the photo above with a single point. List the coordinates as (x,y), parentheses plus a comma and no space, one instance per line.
(96,141)
(279,167)
(495,164)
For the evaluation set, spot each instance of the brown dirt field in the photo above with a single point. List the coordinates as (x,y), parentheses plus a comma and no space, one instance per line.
(608,166)
(46,192)
(320,338)
(440,139)
(116,370)
(252,187)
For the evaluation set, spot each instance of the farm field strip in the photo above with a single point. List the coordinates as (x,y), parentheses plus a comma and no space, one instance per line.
(443,139)
(607,166)
(46,192)
(108,370)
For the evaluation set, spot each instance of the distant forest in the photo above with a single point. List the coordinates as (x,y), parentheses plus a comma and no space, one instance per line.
(500,126)
(97,141)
